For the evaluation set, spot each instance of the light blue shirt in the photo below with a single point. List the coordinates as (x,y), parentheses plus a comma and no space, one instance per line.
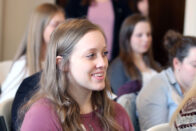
(158,100)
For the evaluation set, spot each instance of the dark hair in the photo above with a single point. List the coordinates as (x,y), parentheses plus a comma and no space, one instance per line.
(178,46)
(126,52)
(133,5)
(87,2)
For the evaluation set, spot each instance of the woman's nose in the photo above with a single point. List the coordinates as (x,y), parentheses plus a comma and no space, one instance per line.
(102,62)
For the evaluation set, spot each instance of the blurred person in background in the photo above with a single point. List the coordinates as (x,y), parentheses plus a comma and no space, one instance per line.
(108,14)
(135,61)
(158,100)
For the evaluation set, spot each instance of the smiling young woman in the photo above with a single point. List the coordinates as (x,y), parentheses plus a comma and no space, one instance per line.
(74,93)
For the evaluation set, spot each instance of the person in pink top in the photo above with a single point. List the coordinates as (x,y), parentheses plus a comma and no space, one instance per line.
(108,14)
(74,94)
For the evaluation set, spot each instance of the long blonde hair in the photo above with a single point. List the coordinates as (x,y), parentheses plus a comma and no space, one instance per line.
(55,83)
(191,93)
(31,44)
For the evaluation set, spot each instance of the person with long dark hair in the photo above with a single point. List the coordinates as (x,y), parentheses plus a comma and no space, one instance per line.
(135,61)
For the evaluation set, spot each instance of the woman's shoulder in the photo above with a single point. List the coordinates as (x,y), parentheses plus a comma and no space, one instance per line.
(120,112)
(22,59)
(122,117)
(189,107)
(116,67)
(41,110)
(19,63)
(186,119)
(16,74)
(42,107)
(157,80)
(116,62)
(118,107)
(157,85)
(160,78)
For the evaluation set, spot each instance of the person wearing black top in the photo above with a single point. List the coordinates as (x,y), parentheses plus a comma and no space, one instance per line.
(23,94)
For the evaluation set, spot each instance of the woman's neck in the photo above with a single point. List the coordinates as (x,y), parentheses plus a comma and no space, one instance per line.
(83,98)
(139,62)
(182,87)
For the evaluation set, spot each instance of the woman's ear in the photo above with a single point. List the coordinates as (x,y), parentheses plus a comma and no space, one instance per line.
(58,62)
(176,64)
(59,59)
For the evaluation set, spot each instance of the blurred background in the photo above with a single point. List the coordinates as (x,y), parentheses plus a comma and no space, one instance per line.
(164,14)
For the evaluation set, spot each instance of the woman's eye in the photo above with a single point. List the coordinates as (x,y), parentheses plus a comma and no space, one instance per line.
(105,53)
(139,35)
(194,66)
(90,55)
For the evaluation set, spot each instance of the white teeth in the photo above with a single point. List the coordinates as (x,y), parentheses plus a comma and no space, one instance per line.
(98,75)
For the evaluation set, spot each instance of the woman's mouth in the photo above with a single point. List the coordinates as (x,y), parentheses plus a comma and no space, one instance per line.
(99,76)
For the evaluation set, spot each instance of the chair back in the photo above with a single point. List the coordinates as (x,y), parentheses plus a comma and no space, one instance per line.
(5,111)
(128,101)
(160,127)
(2,124)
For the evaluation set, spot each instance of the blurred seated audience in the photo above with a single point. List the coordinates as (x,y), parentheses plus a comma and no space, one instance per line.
(135,61)
(126,97)
(31,53)
(135,65)
(44,19)
(108,14)
(139,6)
(158,100)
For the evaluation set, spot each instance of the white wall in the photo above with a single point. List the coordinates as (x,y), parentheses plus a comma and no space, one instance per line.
(14,18)
(190,18)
